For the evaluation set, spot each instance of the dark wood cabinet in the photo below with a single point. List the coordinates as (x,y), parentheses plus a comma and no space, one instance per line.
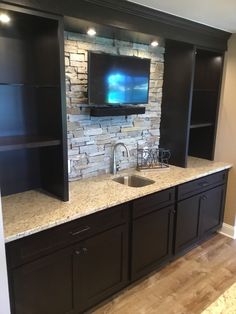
(45,285)
(33,145)
(200,215)
(187,223)
(205,103)
(212,210)
(100,267)
(152,235)
(190,105)
(70,268)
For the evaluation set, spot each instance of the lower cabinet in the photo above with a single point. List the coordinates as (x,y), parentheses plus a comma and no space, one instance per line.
(100,267)
(72,279)
(151,241)
(198,217)
(72,267)
(44,286)
(212,211)
(187,222)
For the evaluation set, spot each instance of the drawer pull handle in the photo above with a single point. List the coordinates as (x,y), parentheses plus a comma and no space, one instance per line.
(203,184)
(75,233)
(77,252)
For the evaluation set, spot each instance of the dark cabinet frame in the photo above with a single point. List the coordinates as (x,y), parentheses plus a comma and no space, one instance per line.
(33,136)
(190,105)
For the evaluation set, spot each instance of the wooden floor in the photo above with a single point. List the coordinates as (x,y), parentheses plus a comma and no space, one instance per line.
(186,286)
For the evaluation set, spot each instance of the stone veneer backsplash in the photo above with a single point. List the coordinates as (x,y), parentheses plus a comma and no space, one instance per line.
(90,139)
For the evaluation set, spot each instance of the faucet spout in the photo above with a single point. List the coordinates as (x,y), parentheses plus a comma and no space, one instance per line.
(115,167)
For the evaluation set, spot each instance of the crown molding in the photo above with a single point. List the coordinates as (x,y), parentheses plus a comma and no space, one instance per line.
(130,16)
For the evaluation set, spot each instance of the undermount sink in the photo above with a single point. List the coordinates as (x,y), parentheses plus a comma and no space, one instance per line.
(133,181)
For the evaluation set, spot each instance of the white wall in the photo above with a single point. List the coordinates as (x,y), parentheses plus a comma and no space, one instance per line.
(4,296)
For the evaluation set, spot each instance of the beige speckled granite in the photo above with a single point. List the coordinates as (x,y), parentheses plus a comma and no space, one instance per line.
(225,304)
(30,212)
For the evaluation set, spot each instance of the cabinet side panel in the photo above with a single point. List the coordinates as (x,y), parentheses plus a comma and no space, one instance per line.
(4,295)
(176,102)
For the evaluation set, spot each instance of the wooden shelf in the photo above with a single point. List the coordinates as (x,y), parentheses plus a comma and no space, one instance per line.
(8,143)
(205,90)
(200,125)
(28,85)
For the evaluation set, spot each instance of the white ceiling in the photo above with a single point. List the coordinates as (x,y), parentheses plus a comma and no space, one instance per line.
(220,14)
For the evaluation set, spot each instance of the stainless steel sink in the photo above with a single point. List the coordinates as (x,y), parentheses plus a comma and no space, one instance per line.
(133,181)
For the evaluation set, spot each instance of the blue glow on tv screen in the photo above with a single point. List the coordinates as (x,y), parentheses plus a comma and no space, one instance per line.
(118,80)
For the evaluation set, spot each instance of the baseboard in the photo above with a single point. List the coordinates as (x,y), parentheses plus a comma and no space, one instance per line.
(228,230)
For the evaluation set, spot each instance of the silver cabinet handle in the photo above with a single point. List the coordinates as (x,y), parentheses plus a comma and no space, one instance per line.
(203,184)
(78,232)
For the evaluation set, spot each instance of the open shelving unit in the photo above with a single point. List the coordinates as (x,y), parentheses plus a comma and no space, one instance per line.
(205,99)
(190,104)
(33,149)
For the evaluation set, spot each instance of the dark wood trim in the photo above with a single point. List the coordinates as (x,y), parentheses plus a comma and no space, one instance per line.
(218,107)
(64,150)
(17,6)
(133,17)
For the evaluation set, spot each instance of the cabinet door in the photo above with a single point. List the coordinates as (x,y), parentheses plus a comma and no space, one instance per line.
(100,267)
(44,286)
(151,241)
(187,223)
(212,210)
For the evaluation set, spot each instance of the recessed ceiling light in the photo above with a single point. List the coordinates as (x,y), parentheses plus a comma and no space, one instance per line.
(4,18)
(154,43)
(91,32)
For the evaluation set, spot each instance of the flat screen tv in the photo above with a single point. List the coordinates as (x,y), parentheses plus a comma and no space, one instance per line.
(117,80)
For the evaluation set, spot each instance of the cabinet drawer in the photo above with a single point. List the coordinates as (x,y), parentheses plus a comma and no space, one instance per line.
(42,243)
(152,202)
(200,185)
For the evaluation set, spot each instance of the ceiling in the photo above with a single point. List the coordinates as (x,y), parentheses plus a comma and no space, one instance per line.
(216,13)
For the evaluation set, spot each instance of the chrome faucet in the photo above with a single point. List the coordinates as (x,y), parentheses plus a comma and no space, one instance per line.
(115,166)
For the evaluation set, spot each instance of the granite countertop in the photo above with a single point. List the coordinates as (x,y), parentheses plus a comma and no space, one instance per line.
(30,212)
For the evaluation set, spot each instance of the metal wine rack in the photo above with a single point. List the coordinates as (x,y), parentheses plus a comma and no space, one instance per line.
(152,158)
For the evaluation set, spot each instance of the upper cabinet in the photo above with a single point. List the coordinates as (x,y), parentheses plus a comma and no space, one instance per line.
(32,106)
(191,90)
(205,100)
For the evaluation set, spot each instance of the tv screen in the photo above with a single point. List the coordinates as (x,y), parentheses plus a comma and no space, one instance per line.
(117,80)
